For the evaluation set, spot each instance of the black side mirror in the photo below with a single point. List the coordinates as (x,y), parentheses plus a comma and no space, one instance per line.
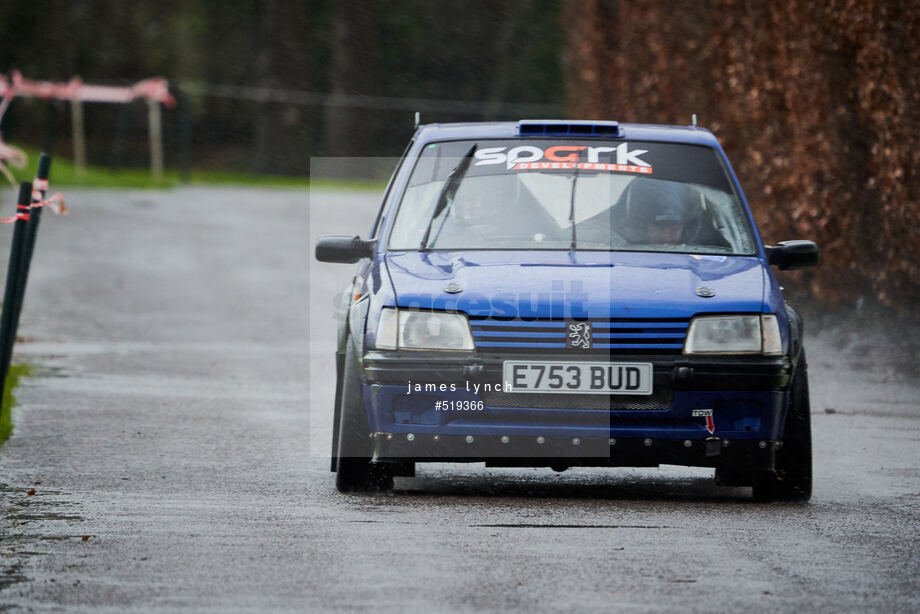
(343,248)
(791,255)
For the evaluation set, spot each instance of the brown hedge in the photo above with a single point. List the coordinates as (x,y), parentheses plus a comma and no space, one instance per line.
(816,103)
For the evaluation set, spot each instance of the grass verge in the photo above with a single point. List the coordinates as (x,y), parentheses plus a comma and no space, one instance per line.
(9,400)
(64,174)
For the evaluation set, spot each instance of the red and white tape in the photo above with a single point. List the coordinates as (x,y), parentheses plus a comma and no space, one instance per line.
(23,214)
(156,89)
(14,157)
(55,203)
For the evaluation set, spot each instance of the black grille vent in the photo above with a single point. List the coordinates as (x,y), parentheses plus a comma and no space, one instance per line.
(563,128)
(611,336)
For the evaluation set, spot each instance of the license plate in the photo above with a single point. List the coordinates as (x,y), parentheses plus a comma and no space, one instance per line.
(570,377)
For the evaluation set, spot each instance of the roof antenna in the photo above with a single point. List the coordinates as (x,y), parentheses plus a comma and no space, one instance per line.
(692,120)
(418,117)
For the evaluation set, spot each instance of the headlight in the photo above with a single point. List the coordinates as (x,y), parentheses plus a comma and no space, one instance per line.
(423,330)
(772,342)
(386,330)
(750,334)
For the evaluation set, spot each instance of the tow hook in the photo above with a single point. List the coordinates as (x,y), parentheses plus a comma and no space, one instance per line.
(474,372)
(683,375)
(713,446)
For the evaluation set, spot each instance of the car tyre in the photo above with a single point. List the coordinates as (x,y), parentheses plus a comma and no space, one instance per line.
(354,470)
(792,479)
(336,414)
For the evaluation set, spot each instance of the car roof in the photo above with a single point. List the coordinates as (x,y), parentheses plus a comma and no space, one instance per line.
(510,130)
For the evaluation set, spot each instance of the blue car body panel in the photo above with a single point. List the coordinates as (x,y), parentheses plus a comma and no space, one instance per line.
(739,415)
(556,284)
(544,290)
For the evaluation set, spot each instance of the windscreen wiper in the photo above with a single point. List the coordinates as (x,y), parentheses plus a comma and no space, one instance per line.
(446,197)
(572,207)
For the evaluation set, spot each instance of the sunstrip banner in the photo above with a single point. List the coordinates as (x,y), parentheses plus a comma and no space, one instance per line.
(633,159)
(585,166)
(575,156)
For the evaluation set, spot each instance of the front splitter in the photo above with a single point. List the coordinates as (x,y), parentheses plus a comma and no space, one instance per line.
(575,451)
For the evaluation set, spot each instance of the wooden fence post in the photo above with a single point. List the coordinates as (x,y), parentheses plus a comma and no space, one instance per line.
(79,137)
(156,140)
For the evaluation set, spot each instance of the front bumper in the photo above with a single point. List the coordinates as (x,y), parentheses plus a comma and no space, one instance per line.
(747,397)
(678,372)
(564,452)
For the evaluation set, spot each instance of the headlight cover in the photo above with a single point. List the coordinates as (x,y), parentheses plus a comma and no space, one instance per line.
(423,330)
(735,334)
(386,329)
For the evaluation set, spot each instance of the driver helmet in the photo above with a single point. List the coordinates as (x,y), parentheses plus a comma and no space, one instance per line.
(659,210)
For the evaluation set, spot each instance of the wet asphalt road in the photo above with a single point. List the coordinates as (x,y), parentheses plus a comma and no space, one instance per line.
(176,427)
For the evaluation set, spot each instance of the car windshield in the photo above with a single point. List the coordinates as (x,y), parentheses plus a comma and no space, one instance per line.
(565,194)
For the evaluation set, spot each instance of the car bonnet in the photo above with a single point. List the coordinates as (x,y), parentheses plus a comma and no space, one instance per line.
(560,284)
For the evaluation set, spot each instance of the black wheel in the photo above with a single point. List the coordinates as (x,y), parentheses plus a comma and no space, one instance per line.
(337,414)
(793,476)
(354,470)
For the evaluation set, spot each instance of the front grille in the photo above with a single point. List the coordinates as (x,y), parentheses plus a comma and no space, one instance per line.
(610,336)
(661,398)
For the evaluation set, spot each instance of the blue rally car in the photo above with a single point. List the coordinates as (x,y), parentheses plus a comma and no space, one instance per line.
(560,294)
